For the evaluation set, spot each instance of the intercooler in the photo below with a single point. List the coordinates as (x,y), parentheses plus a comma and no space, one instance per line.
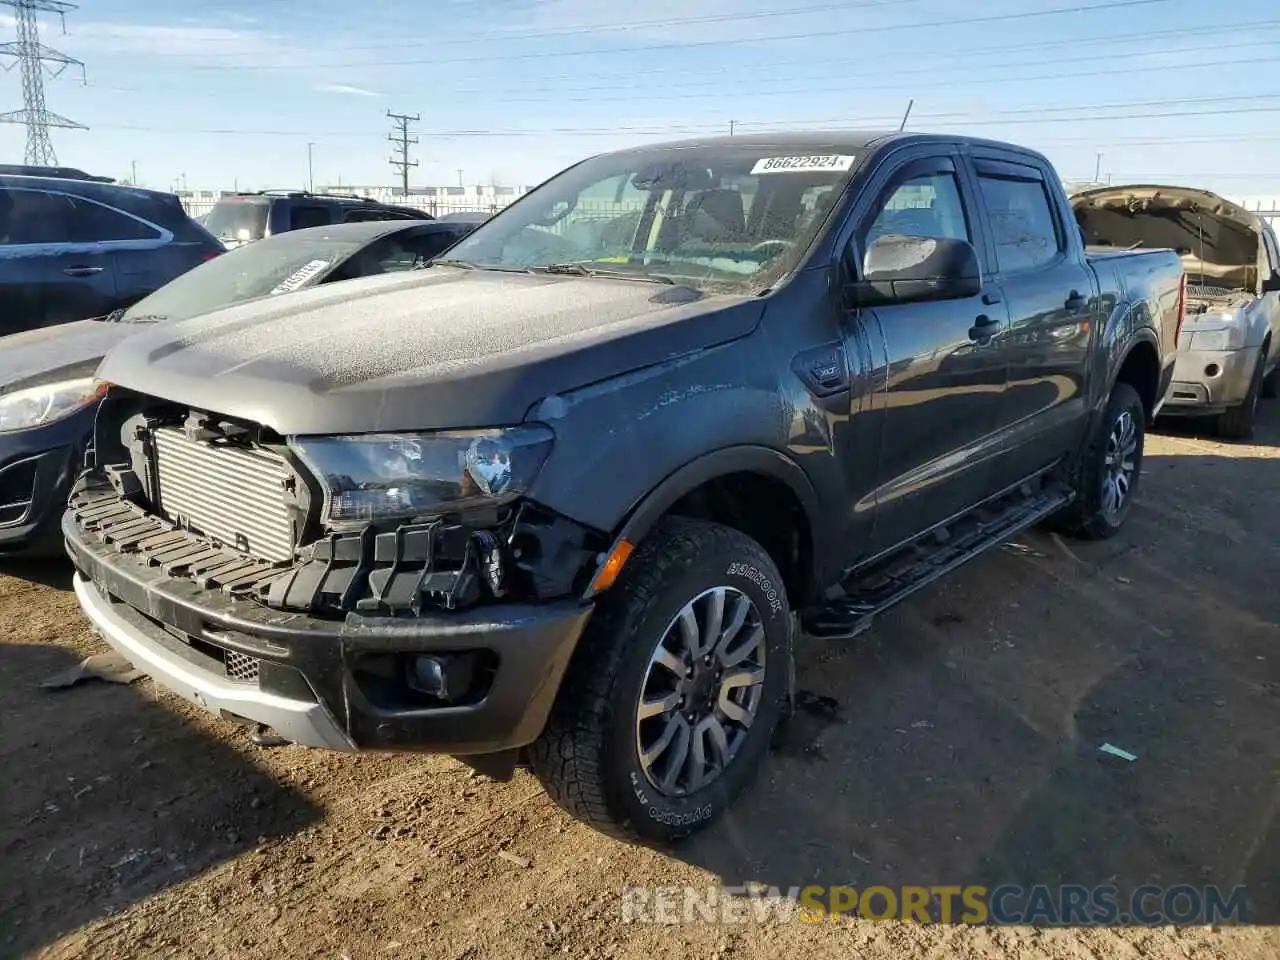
(233,494)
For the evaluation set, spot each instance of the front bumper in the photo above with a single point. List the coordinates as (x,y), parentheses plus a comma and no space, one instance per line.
(1210,381)
(196,641)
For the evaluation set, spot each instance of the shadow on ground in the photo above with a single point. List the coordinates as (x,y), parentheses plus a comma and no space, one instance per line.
(128,802)
(966,750)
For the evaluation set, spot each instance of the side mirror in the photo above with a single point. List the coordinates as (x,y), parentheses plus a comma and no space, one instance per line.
(900,269)
(1272,283)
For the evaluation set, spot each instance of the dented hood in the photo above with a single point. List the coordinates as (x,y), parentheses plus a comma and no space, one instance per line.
(440,348)
(1216,239)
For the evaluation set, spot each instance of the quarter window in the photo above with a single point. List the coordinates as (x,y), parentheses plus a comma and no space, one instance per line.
(1022,222)
(302,217)
(928,205)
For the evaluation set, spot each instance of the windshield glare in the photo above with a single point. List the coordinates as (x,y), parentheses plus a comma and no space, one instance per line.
(726,217)
(238,219)
(280,264)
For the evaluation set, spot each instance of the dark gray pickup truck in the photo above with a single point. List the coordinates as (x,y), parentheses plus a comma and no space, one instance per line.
(570,497)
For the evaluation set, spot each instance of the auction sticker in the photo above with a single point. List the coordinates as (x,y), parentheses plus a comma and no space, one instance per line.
(300,276)
(801,164)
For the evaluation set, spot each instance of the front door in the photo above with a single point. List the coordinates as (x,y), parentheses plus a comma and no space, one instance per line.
(942,373)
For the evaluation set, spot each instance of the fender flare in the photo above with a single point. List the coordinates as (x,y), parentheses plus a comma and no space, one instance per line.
(646,512)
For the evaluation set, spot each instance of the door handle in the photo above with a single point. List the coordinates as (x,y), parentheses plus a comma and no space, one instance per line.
(1076,301)
(82,271)
(983,329)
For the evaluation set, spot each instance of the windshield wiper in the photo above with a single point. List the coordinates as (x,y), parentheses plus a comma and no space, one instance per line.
(144,318)
(463,264)
(578,270)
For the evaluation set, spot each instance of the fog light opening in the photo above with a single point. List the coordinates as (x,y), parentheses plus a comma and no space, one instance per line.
(1212,370)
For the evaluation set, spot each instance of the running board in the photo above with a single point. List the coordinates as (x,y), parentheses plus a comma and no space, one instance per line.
(867,593)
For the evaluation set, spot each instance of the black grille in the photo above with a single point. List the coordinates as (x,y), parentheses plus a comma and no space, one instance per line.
(241,667)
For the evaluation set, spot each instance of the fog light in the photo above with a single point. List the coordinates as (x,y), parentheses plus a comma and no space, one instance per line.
(1212,370)
(446,677)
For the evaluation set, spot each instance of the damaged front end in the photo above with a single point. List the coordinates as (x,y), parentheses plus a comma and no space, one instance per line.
(330,526)
(274,581)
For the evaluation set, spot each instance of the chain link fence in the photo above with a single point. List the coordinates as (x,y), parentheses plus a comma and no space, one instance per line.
(432,205)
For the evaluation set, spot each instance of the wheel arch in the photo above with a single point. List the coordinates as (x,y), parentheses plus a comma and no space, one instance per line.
(759,477)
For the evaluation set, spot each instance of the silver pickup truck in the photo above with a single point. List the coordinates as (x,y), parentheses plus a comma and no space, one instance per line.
(1227,354)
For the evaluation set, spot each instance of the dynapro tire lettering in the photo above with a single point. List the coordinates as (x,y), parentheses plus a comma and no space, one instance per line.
(672,819)
(766,585)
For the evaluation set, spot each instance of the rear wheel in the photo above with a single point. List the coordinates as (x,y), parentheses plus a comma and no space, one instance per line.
(1111,469)
(679,682)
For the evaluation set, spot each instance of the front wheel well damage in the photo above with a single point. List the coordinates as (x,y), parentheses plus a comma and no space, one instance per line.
(766,510)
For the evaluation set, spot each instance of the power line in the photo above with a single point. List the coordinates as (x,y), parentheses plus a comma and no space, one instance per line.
(588,29)
(31,56)
(697,44)
(996,118)
(934,58)
(402,140)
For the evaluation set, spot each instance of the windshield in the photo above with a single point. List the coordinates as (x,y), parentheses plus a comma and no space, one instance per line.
(278,265)
(727,217)
(239,219)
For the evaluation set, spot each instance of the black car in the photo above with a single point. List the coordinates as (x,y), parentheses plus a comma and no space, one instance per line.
(47,392)
(246,217)
(71,248)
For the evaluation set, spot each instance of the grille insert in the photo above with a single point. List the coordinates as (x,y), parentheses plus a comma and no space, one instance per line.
(241,667)
(232,494)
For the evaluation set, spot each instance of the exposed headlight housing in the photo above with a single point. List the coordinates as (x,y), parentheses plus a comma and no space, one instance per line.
(389,476)
(35,406)
(1215,332)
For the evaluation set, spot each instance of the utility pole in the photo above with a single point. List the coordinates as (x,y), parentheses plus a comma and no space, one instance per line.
(403,141)
(459,177)
(311,180)
(31,55)
(731,126)
(1097,169)
(133,176)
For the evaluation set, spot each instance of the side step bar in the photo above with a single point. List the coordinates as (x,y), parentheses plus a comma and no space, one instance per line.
(867,593)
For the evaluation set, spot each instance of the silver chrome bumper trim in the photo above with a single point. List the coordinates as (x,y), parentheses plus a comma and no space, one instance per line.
(307,724)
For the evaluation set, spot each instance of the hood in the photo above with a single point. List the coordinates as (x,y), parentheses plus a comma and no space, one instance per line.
(445,347)
(1217,240)
(62,352)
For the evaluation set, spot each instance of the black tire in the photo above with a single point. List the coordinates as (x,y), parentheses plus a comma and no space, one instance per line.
(1236,423)
(1271,385)
(1089,517)
(588,758)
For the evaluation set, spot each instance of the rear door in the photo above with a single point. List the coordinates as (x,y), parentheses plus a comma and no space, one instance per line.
(49,276)
(1052,303)
(138,249)
(942,375)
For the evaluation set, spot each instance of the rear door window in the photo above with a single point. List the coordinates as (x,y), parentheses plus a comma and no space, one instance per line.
(1022,222)
(303,216)
(94,223)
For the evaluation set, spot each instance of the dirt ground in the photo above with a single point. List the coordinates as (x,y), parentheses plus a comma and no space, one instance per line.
(964,751)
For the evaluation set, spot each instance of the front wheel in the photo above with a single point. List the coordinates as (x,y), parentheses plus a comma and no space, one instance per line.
(679,681)
(1111,469)
(1236,423)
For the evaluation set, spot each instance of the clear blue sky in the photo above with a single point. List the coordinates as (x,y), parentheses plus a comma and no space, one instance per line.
(554,80)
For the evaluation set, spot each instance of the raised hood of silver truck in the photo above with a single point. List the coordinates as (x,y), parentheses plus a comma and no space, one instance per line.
(1217,240)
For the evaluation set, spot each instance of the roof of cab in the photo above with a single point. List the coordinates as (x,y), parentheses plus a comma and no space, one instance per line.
(810,140)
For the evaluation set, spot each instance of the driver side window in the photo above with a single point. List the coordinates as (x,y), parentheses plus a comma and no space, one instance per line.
(928,205)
